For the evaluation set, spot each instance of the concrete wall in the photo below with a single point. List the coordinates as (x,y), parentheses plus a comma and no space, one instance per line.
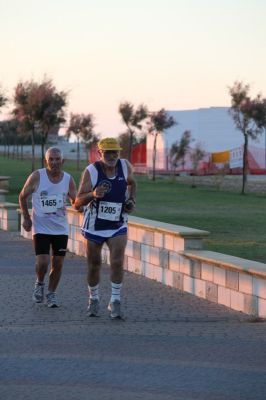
(174,256)
(9,217)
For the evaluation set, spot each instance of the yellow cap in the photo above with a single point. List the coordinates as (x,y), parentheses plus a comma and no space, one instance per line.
(109,144)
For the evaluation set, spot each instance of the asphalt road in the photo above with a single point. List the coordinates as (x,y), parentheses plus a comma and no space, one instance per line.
(172,345)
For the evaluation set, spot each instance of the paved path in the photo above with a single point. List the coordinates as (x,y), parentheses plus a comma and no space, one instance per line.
(172,345)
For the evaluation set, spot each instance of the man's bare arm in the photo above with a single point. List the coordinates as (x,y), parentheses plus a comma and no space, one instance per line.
(85,191)
(132,189)
(131,182)
(72,193)
(30,186)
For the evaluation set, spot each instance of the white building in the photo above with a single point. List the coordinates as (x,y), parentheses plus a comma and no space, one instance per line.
(212,127)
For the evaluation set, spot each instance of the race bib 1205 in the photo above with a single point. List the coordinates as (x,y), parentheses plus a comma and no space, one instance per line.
(109,210)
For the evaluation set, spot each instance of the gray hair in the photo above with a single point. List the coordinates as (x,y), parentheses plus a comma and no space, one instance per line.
(54,149)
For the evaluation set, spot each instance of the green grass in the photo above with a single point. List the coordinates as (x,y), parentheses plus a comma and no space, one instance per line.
(236,223)
(20,169)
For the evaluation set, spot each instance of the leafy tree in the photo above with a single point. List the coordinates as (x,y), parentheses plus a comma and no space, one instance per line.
(179,150)
(197,154)
(242,111)
(11,134)
(52,112)
(6,136)
(133,120)
(3,99)
(159,122)
(38,106)
(82,126)
(24,111)
(258,113)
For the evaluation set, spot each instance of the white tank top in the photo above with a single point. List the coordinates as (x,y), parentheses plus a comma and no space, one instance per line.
(49,205)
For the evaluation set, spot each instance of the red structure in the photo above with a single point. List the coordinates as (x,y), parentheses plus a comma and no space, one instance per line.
(93,154)
(139,155)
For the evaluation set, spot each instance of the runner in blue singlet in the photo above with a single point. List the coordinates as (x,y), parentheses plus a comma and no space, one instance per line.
(108,189)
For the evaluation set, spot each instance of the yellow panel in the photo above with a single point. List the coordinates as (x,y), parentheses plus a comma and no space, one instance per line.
(221,157)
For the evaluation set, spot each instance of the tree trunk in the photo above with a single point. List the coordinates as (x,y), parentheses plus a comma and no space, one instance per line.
(154,156)
(32,149)
(183,164)
(245,163)
(265,147)
(193,184)
(17,151)
(131,133)
(43,143)
(78,153)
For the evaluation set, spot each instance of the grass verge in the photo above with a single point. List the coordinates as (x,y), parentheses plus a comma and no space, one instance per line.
(236,223)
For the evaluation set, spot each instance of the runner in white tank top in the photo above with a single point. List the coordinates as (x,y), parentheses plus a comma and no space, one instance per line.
(49,205)
(49,187)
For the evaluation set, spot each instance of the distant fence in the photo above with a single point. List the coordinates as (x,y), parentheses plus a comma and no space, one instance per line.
(230,162)
(69,150)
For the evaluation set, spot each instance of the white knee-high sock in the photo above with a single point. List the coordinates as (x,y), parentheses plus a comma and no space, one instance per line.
(116,289)
(93,292)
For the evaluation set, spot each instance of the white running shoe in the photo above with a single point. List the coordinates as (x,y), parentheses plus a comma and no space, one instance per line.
(38,292)
(93,308)
(115,308)
(51,300)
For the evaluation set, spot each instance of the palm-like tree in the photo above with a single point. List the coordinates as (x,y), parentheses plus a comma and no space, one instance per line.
(38,105)
(258,113)
(133,120)
(82,126)
(197,154)
(159,122)
(3,99)
(242,111)
(179,150)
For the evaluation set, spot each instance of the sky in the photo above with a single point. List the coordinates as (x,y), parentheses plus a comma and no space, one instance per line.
(172,54)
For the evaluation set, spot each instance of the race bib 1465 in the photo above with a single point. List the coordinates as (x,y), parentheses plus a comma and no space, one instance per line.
(51,203)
